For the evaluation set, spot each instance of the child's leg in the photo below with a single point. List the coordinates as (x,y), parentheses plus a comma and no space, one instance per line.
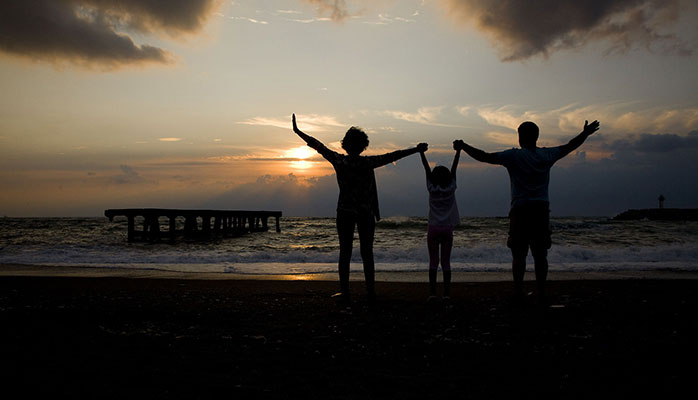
(433,246)
(446,246)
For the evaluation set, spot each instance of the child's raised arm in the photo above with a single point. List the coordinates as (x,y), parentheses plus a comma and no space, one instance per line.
(425,163)
(454,166)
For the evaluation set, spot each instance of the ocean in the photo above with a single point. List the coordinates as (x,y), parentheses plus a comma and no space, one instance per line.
(308,245)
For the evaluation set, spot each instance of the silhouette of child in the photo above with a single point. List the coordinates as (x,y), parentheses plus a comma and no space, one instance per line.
(443,217)
(357,205)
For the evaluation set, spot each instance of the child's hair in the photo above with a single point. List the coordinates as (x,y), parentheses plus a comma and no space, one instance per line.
(355,140)
(441,176)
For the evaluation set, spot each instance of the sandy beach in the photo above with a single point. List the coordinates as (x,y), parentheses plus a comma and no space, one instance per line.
(115,337)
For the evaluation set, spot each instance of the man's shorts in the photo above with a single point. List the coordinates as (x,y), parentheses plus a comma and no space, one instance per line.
(529,225)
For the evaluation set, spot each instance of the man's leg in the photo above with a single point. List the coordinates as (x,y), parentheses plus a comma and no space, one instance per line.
(540,244)
(518,267)
(518,243)
(367,230)
(345,230)
(540,259)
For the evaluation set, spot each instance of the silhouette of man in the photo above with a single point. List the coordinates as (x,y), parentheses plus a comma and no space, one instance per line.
(529,173)
(357,205)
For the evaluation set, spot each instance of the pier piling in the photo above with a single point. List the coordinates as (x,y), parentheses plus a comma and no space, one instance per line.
(225,222)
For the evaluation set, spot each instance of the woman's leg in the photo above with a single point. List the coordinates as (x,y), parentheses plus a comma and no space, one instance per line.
(345,230)
(367,230)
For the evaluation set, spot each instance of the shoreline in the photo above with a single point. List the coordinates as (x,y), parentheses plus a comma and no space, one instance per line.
(9,270)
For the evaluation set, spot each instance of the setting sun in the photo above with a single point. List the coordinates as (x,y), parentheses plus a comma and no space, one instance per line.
(299,153)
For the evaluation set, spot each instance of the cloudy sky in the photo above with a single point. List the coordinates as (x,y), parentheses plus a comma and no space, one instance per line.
(154,103)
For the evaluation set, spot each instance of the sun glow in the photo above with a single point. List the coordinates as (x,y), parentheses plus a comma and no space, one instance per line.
(300,152)
(299,155)
(301,164)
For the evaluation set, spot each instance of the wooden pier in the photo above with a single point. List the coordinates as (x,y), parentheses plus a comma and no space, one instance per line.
(197,223)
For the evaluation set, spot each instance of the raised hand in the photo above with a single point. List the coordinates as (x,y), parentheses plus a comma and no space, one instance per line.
(295,127)
(591,128)
(422,147)
(458,144)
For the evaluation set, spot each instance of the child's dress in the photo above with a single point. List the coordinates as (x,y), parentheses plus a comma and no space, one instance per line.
(443,216)
(443,210)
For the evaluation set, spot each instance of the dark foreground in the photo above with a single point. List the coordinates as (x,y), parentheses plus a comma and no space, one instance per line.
(126,338)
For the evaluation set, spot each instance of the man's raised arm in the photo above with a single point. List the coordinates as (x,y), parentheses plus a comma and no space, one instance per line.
(479,155)
(577,141)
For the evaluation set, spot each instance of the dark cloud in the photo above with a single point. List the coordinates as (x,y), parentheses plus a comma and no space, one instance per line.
(659,143)
(522,29)
(93,32)
(173,16)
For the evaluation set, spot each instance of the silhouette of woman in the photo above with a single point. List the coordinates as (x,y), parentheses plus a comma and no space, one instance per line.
(357,205)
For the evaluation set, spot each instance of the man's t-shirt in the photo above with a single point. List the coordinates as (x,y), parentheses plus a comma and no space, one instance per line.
(529,172)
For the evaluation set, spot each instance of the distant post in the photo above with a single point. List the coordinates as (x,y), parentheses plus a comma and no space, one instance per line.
(661,201)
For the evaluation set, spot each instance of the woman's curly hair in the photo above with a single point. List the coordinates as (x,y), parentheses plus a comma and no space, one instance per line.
(355,140)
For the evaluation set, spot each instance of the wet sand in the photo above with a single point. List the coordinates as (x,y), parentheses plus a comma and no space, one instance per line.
(114,337)
(414,277)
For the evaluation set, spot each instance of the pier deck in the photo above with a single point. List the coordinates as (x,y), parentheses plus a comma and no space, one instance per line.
(197,223)
(659,214)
